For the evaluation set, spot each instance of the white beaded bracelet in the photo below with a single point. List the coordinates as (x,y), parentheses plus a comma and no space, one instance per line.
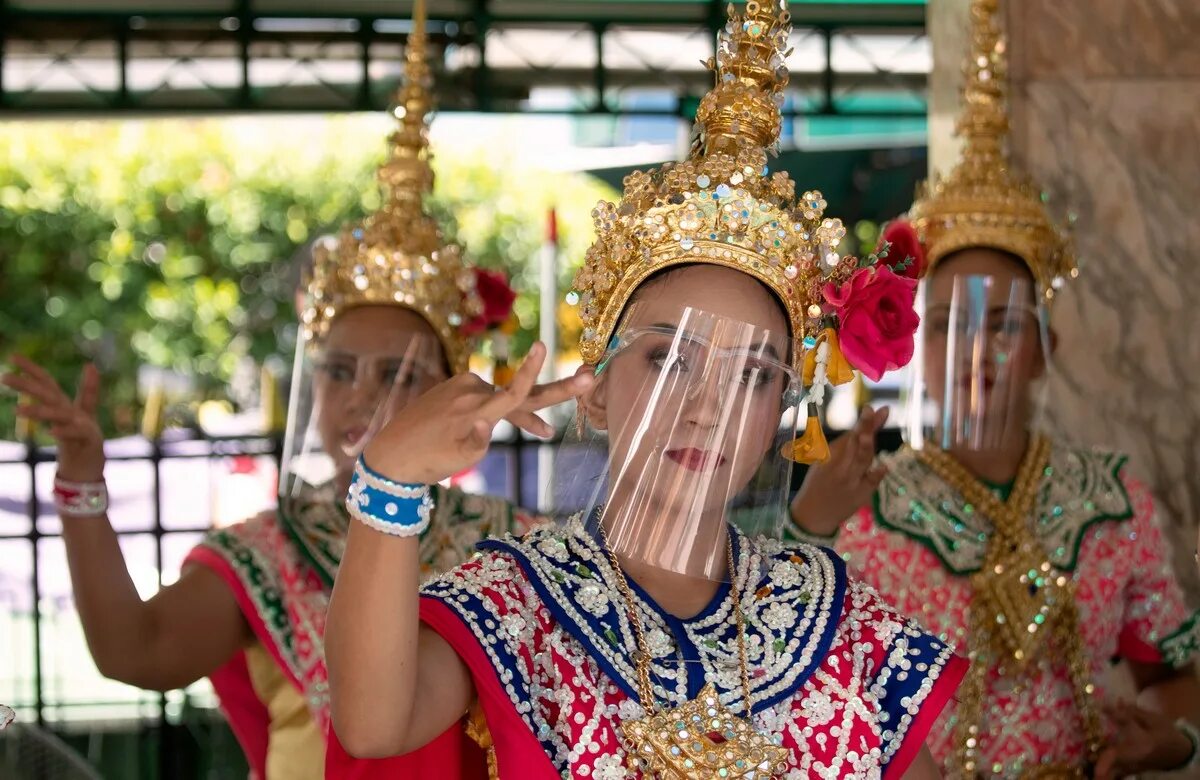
(389,507)
(80,499)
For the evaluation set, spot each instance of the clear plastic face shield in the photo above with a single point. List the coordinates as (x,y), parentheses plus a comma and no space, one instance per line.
(680,435)
(978,378)
(345,387)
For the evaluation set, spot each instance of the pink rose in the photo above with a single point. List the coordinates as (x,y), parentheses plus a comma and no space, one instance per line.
(497,297)
(905,255)
(877,321)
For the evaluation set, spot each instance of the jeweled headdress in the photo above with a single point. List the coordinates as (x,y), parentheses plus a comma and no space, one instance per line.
(721,206)
(985,201)
(397,255)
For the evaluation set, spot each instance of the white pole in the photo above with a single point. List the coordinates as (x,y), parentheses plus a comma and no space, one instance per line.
(548,306)
(548,332)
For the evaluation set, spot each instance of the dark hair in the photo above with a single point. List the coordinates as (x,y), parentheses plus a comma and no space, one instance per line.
(1010,257)
(663,274)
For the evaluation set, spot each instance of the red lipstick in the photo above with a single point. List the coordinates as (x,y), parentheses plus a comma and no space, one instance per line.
(693,459)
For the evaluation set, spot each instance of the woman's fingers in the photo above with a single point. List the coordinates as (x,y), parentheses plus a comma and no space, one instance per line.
(531,423)
(480,436)
(881,417)
(869,423)
(553,393)
(24,383)
(39,375)
(875,476)
(46,413)
(508,400)
(87,397)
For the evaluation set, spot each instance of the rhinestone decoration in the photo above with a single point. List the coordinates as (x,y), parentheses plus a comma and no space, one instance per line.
(703,739)
(721,206)
(986,201)
(397,255)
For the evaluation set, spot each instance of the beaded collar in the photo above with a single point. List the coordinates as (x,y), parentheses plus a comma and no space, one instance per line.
(316,522)
(1078,489)
(792,596)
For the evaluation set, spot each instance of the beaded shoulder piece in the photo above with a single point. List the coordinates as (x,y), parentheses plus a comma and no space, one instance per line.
(1079,488)
(792,596)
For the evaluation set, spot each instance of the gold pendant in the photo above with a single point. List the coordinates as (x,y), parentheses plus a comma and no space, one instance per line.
(1024,598)
(702,739)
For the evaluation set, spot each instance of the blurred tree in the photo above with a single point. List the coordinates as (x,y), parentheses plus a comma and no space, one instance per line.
(165,243)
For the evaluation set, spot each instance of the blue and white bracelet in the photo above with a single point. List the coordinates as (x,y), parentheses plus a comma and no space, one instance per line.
(389,507)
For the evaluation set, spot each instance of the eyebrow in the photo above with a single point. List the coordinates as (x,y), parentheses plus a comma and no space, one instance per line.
(765,347)
(338,354)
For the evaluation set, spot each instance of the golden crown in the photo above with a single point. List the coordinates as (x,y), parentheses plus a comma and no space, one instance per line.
(721,206)
(985,201)
(397,255)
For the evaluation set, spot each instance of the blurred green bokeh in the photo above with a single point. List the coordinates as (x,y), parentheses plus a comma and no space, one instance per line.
(166,243)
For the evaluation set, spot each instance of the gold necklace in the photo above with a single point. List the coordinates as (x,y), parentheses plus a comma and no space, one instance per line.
(1019,606)
(701,738)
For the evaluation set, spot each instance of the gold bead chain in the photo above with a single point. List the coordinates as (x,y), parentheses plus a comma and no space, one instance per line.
(642,659)
(1013,565)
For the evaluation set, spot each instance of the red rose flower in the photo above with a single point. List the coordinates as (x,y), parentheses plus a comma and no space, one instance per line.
(905,255)
(877,321)
(497,297)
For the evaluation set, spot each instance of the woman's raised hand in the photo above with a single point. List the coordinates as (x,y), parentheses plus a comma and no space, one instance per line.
(448,429)
(71,421)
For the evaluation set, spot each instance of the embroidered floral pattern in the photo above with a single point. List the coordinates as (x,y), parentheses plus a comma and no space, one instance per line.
(787,573)
(570,676)
(818,708)
(285,565)
(779,616)
(659,643)
(593,599)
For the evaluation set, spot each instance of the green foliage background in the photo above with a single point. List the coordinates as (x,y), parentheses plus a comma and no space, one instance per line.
(166,243)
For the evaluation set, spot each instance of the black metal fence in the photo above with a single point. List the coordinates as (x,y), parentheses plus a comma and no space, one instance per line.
(175,735)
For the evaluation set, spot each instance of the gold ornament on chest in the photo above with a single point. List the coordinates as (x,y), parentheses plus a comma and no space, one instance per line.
(1021,606)
(1017,588)
(702,738)
(1025,594)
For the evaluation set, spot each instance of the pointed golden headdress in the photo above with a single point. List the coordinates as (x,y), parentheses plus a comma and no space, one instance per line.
(986,201)
(397,255)
(721,206)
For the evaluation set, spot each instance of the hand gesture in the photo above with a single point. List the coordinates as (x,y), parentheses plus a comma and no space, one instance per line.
(1145,741)
(835,490)
(449,428)
(72,421)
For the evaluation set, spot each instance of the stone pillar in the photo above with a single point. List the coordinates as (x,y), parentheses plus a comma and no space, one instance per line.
(946,21)
(1106,116)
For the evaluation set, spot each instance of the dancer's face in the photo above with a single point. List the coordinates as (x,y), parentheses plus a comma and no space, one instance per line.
(373,360)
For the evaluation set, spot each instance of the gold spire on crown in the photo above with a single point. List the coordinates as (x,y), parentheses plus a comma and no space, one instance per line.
(397,255)
(721,206)
(986,201)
